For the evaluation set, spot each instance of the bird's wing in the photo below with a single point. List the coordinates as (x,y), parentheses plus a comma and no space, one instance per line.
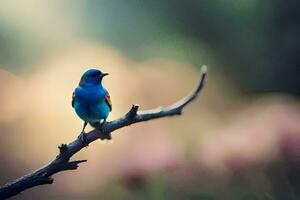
(73,97)
(108,101)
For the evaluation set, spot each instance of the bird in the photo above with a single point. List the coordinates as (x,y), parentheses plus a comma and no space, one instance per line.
(91,101)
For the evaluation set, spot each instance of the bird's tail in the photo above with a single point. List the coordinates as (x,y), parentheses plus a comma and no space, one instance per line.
(95,124)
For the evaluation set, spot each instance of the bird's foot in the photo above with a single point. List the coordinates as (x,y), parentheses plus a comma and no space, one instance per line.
(82,138)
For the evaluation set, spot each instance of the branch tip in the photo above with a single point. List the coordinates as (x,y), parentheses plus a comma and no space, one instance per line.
(133,111)
(135,106)
(203,74)
(51,180)
(72,165)
(46,180)
(78,161)
(204,69)
(62,148)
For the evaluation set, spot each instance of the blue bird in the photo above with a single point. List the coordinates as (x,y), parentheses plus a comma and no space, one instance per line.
(91,100)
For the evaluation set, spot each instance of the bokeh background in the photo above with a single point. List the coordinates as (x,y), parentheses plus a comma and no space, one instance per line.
(240,140)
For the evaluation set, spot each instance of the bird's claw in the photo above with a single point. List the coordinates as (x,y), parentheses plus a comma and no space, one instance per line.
(82,138)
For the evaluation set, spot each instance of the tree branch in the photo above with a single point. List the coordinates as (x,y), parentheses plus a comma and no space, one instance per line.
(62,161)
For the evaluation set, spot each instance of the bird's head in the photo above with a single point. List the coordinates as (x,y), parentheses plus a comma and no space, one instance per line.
(92,77)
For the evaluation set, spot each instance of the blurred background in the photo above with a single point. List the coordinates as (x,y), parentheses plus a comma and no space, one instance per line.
(240,140)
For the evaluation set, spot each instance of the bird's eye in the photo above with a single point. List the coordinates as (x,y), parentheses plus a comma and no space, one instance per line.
(94,75)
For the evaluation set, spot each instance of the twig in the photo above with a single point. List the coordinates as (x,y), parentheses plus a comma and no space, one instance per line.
(62,161)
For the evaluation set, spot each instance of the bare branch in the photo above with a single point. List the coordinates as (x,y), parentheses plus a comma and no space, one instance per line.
(61,162)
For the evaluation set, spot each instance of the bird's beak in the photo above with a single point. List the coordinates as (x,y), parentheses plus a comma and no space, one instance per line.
(104,74)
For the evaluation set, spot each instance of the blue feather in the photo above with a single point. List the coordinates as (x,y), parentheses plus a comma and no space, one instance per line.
(89,99)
